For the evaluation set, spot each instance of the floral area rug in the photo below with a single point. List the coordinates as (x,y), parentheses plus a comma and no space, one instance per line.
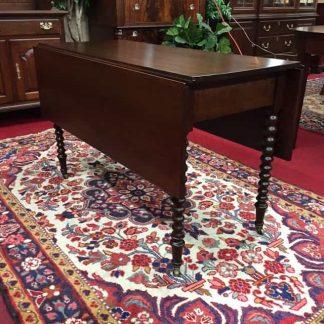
(312,117)
(95,248)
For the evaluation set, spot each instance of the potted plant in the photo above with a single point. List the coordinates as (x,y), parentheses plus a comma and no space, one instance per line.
(76,22)
(209,35)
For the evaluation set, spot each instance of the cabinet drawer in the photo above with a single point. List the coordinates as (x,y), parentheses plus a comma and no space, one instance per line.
(276,44)
(160,12)
(305,22)
(148,12)
(268,27)
(287,26)
(148,35)
(30,27)
(286,43)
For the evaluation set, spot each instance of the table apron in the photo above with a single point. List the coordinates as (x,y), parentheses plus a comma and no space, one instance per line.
(234,98)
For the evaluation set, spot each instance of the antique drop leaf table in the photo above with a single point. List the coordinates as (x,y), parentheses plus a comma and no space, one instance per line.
(137,102)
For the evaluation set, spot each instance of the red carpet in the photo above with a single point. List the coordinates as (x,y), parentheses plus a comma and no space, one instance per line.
(305,170)
(76,250)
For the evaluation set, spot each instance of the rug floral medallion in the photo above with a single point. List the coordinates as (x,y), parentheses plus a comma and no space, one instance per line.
(95,248)
(312,117)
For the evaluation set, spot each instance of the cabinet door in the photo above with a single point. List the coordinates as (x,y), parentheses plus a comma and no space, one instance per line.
(191,8)
(151,12)
(23,59)
(307,5)
(5,76)
(278,5)
(244,6)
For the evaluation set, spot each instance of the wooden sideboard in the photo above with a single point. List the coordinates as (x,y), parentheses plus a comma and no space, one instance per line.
(20,31)
(139,20)
(269,23)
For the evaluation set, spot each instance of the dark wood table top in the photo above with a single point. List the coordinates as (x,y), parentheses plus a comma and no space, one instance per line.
(185,65)
(311,29)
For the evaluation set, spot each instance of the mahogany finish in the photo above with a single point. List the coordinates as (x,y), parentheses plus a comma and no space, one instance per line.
(139,20)
(265,169)
(146,130)
(17,4)
(270,25)
(61,150)
(20,31)
(310,40)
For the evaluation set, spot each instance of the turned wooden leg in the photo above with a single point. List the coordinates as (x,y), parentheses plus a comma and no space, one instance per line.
(61,150)
(177,235)
(265,172)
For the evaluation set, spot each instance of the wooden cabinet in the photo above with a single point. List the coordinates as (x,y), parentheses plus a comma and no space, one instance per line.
(273,22)
(269,24)
(317,63)
(20,31)
(5,88)
(140,20)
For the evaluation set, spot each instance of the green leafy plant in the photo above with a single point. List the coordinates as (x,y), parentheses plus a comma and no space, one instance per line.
(186,33)
(68,4)
(212,14)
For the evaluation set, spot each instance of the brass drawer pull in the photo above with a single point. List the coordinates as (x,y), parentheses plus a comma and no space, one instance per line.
(267,28)
(192,6)
(119,32)
(288,43)
(290,27)
(137,7)
(18,71)
(134,33)
(46,25)
(265,45)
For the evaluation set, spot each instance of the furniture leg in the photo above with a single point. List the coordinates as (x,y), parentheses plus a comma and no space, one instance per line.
(265,170)
(177,241)
(61,150)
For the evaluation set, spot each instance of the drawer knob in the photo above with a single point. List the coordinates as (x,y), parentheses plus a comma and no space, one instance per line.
(119,32)
(265,45)
(137,6)
(290,27)
(46,25)
(267,28)
(192,6)
(288,43)
(134,33)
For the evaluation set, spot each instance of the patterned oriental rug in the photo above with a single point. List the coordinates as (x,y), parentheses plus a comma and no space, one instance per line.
(312,117)
(95,249)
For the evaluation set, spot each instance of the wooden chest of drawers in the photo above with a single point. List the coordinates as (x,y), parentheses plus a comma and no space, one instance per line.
(20,31)
(270,25)
(139,20)
(277,36)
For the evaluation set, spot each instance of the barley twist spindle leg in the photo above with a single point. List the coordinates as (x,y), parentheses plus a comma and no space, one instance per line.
(265,172)
(61,150)
(177,236)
